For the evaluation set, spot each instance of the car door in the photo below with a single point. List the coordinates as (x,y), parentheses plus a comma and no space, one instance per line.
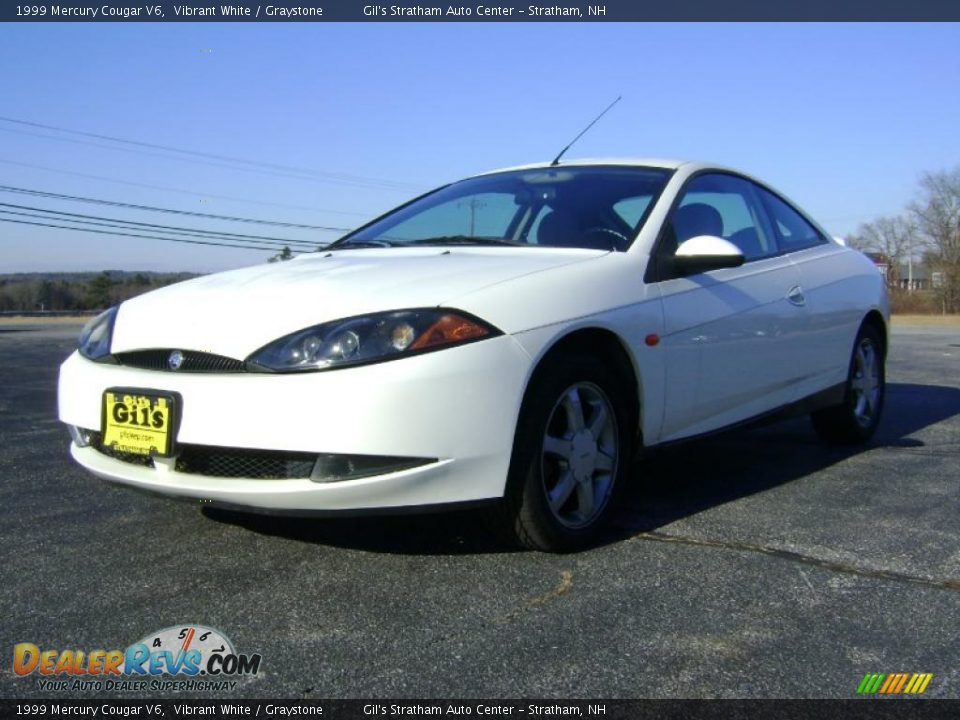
(731,335)
(828,285)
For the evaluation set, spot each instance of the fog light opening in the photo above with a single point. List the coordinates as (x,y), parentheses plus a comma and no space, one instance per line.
(337,468)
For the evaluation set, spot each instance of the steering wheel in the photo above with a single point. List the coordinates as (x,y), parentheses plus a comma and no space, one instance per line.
(607,234)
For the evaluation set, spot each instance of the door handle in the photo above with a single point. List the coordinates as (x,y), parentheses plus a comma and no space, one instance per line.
(795,296)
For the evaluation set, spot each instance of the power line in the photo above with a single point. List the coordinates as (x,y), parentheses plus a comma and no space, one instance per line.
(339,177)
(118,222)
(209,163)
(147,237)
(231,198)
(114,203)
(253,243)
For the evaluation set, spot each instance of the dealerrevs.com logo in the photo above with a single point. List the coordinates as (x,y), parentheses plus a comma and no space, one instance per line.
(182,657)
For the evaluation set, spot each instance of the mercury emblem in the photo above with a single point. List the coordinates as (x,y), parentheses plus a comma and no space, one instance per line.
(175,360)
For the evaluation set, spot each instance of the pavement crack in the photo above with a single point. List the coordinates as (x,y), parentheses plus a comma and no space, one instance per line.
(566,582)
(807,580)
(840,567)
(539,601)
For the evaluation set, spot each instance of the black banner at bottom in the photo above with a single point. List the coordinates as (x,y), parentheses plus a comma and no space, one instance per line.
(856,709)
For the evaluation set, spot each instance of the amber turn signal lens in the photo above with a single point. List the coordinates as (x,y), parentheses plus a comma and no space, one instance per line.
(447,330)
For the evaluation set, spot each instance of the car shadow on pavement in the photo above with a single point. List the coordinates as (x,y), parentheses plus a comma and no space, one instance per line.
(667,485)
(685,479)
(460,532)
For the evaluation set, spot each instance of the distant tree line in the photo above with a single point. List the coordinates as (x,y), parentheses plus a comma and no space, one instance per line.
(78,291)
(927,231)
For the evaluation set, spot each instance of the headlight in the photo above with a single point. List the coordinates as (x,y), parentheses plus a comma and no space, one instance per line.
(370,338)
(95,338)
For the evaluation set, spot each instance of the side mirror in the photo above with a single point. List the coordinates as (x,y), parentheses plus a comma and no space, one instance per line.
(706,252)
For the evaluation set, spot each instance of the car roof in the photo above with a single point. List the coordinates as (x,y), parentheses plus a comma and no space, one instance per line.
(665,163)
(690,166)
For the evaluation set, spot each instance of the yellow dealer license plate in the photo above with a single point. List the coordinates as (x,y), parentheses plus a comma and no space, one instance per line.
(138,422)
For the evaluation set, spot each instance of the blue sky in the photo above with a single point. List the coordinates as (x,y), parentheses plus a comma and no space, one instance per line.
(843,118)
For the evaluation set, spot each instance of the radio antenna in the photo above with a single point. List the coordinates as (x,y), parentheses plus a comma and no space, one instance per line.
(556,160)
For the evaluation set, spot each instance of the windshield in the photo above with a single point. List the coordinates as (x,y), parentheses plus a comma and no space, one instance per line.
(600,208)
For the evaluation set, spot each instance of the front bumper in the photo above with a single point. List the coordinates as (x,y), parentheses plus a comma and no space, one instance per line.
(458,406)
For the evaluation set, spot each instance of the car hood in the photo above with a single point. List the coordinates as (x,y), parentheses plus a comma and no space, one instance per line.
(237,312)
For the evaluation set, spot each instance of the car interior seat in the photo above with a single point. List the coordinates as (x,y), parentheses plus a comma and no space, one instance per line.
(563,228)
(748,240)
(560,228)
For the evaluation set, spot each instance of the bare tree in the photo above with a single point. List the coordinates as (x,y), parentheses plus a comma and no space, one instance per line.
(284,254)
(937,213)
(895,238)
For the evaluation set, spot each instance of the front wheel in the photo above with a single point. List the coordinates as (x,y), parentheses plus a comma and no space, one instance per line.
(856,418)
(569,459)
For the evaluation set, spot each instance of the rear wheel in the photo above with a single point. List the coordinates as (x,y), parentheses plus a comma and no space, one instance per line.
(855,419)
(569,459)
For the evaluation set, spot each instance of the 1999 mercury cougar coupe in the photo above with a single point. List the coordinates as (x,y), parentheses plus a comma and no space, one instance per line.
(513,338)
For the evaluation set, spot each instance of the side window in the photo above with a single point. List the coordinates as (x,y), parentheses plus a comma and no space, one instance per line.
(724,206)
(793,231)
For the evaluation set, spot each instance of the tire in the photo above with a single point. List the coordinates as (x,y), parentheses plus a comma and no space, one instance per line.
(570,457)
(854,421)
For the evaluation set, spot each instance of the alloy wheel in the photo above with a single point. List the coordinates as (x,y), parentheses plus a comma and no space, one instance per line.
(865,382)
(580,455)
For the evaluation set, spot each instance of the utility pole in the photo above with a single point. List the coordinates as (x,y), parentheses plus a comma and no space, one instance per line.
(474,204)
(910,262)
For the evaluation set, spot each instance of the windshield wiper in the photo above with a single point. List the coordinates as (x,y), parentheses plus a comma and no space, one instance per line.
(464,240)
(438,240)
(362,244)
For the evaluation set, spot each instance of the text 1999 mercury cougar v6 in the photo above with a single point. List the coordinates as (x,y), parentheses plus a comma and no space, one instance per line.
(513,338)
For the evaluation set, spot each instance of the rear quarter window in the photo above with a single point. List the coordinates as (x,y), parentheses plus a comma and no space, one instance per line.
(792,229)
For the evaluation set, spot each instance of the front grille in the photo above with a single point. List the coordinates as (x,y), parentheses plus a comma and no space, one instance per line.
(223,462)
(96,442)
(242,463)
(193,361)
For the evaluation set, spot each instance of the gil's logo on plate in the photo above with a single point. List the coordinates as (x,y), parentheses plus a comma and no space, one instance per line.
(184,650)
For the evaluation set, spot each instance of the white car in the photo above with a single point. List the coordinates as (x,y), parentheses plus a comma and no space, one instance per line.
(514,338)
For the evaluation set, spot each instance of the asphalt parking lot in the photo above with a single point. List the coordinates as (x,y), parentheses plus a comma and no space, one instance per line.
(754,564)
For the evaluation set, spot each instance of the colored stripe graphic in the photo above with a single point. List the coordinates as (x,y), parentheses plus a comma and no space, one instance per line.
(923,679)
(891,681)
(870,683)
(902,681)
(894,683)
